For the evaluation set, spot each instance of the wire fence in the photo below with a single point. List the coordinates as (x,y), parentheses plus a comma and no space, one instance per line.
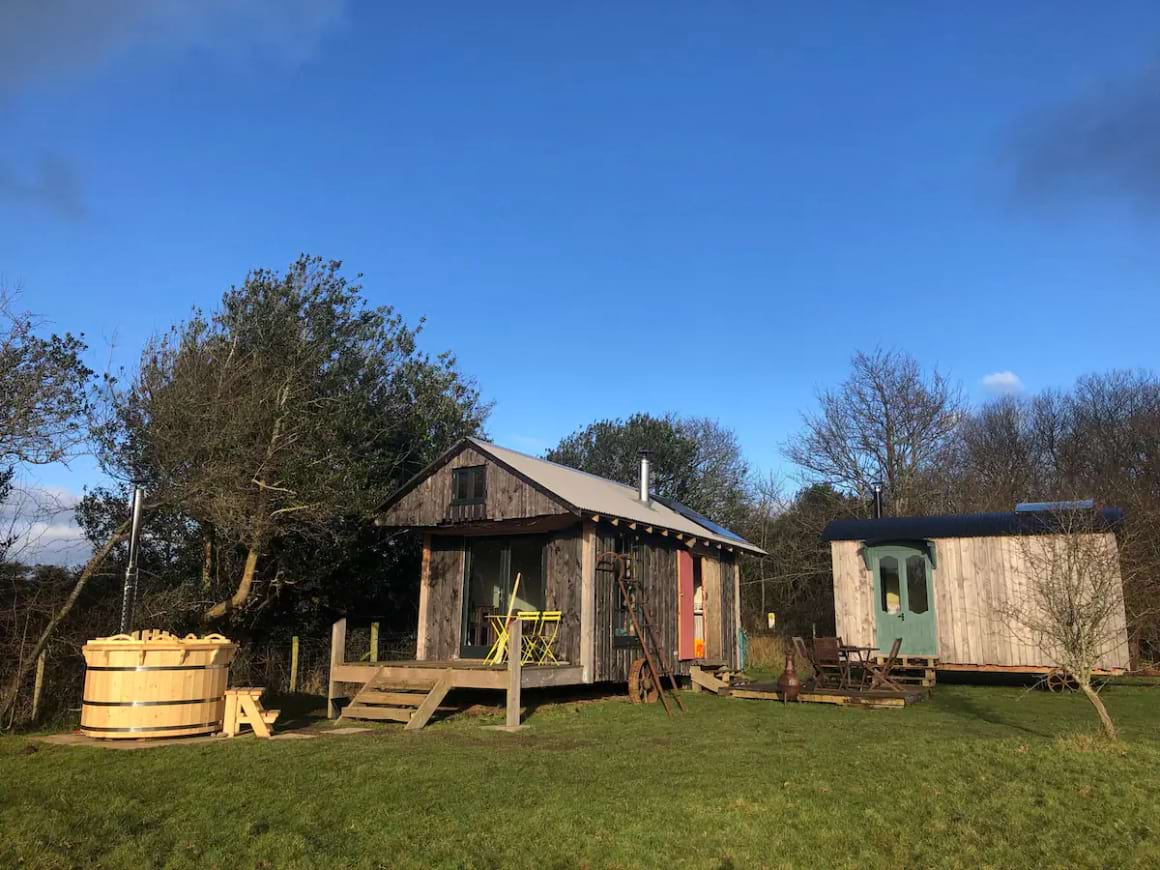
(272,664)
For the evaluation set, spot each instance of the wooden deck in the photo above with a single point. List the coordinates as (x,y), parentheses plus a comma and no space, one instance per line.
(411,691)
(464,673)
(840,697)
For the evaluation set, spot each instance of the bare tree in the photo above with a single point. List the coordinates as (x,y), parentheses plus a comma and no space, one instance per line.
(1071,604)
(889,422)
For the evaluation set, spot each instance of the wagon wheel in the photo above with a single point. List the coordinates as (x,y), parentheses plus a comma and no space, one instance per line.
(642,686)
(1060,681)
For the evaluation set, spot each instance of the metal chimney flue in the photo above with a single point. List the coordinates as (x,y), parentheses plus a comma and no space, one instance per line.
(644,474)
(877,500)
(129,596)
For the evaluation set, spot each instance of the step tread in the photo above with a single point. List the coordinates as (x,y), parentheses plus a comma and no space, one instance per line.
(402,699)
(395,714)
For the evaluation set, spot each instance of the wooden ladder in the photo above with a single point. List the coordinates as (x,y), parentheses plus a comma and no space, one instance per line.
(648,640)
(381,702)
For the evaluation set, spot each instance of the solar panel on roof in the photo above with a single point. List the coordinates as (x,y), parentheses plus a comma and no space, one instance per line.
(690,514)
(1035,507)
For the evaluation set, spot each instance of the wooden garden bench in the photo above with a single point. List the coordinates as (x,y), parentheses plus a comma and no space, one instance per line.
(244,707)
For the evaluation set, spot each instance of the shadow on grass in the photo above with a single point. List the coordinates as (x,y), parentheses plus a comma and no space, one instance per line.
(965,706)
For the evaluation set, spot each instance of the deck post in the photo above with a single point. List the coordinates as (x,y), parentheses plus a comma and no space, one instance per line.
(337,656)
(374,641)
(515,672)
(294,664)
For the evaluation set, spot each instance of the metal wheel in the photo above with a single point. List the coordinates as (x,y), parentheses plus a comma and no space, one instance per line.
(1060,681)
(642,686)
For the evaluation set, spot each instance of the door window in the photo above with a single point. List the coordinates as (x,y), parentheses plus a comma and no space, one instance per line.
(889,582)
(916,598)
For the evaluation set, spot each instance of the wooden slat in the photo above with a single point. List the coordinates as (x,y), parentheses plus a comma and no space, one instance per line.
(402,699)
(429,705)
(393,714)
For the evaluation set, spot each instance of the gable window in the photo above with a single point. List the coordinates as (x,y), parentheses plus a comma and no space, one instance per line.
(469,485)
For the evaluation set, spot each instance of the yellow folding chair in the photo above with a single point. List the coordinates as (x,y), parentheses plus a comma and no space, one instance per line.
(495,655)
(546,638)
(530,625)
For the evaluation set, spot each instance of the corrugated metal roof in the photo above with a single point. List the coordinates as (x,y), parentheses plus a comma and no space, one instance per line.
(597,495)
(959,525)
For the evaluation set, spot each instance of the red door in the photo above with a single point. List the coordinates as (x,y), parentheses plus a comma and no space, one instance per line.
(685,641)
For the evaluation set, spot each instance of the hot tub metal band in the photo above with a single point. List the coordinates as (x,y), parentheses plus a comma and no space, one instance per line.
(155,727)
(148,703)
(161,668)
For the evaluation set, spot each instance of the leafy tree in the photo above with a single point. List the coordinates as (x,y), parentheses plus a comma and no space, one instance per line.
(695,460)
(44,398)
(281,420)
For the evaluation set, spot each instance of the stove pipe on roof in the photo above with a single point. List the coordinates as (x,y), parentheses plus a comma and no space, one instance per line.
(644,472)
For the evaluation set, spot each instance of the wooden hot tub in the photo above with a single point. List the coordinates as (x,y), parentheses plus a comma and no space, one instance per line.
(155,684)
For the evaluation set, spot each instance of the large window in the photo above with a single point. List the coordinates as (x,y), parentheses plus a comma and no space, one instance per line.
(623,630)
(469,485)
(491,566)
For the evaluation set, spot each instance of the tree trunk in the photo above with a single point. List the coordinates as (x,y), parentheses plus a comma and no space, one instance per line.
(1105,720)
(242,593)
(8,698)
(207,559)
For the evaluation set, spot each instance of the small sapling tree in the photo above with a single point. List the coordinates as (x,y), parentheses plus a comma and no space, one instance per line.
(1071,604)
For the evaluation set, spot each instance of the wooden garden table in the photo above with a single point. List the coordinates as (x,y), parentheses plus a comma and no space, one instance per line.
(858,656)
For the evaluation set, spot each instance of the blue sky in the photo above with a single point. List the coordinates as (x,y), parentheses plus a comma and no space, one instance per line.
(604,207)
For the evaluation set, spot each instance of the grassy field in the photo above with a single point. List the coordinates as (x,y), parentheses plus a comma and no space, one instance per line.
(978,776)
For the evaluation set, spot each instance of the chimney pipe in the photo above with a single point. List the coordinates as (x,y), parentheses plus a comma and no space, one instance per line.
(129,596)
(644,474)
(877,500)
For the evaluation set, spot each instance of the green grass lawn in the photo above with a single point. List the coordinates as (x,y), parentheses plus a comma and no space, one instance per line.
(977,776)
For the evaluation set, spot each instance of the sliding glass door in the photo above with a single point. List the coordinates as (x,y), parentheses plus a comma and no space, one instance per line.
(491,566)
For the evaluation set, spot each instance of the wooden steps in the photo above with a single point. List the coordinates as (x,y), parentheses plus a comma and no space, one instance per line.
(380,702)
(710,677)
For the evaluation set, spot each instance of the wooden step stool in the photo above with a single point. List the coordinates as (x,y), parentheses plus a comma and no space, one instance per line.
(244,707)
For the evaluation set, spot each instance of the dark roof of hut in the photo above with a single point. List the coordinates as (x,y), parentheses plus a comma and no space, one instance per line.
(965,525)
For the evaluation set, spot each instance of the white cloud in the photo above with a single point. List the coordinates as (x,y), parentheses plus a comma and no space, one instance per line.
(1004,382)
(41,520)
(46,39)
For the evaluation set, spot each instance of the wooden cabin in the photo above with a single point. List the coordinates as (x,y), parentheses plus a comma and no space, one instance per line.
(488,514)
(939,582)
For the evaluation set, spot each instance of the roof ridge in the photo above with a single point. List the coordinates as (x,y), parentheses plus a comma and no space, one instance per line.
(492,444)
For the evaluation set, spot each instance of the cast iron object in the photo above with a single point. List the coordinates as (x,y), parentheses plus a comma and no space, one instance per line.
(788,683)
(642,687)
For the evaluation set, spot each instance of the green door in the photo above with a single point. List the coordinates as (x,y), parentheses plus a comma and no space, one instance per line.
(904,599)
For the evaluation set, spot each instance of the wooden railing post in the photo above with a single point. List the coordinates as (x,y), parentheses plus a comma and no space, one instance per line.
(294,663)
(374,641)
(337,657)
(515,668)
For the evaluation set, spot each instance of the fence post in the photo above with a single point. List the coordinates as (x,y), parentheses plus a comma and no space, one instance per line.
(337,658)
(374,641)
(38,685)
(294,664)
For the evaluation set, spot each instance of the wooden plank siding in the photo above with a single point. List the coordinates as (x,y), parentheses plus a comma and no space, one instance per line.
(444,608)
(973,578)
(564,589)
(655,560)
(573,574)
(508,497)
